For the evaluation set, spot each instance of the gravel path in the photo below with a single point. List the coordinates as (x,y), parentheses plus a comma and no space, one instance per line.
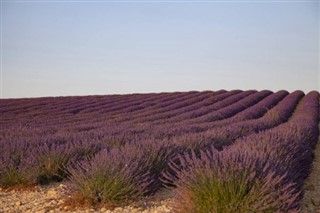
(311,200)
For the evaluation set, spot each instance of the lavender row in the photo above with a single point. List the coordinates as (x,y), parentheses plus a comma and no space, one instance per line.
(234,108)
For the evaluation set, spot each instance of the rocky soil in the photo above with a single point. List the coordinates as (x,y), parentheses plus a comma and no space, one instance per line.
(311,200)
(51,199)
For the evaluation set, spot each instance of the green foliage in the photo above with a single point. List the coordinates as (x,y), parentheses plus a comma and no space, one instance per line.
(17,170)
(50,167)
(234,194)
(12,177)
(106,188)
(114,177)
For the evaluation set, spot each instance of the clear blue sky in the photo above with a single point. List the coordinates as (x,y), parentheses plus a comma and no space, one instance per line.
(85,48)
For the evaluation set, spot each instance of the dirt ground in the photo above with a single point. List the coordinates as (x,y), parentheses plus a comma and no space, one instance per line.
(311,200)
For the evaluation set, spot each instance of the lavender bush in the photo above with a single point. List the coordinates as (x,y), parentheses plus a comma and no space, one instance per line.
(229,181)
(50,161)
(16,165)
(115,176)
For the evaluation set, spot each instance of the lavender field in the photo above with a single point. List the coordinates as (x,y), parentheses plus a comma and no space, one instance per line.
(215,151)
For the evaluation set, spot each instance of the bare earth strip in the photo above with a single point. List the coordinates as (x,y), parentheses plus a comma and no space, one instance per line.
(311,200)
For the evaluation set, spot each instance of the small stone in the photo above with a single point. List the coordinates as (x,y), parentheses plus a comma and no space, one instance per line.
(108,211)
(18,203)
(309,187)
(118,209)
(51,192)
(132,210)
(103,209)
(315,202)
